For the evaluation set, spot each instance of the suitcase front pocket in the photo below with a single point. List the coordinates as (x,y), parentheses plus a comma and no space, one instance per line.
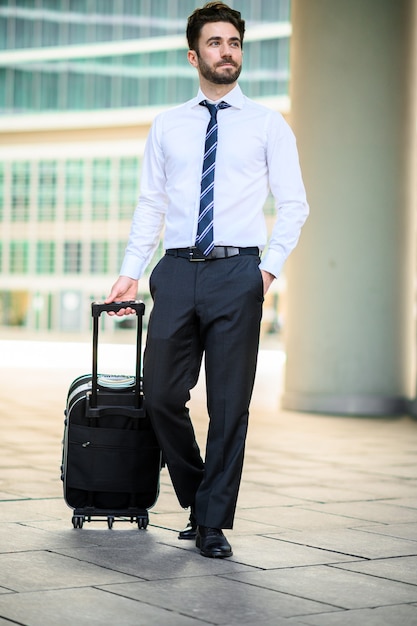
(107,459)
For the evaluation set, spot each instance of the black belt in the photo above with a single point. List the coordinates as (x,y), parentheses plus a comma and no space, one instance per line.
(218,252)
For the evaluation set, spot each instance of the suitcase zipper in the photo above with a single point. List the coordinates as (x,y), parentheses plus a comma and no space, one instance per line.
(90,444)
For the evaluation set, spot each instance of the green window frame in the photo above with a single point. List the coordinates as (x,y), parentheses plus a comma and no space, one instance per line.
(99,257)
(18,257)
(100,188)
(21,176)
(269,206)
(2,189)
(72,257)
(128,186)
(45,257)
(74,189)
(47,191)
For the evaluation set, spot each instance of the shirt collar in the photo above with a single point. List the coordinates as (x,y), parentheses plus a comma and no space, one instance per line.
(235,98)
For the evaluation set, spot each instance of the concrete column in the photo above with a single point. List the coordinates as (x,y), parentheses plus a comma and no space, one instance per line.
(350,337)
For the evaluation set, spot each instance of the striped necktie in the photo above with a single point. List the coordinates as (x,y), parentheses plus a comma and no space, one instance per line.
(204,240)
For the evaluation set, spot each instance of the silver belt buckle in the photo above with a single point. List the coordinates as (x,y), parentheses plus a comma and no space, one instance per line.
(194,250)
(223,252)
(232,251)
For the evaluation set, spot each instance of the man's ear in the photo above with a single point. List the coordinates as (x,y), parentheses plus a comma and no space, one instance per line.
(192,58)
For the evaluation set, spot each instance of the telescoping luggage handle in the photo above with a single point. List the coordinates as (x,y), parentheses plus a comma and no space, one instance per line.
(97,308)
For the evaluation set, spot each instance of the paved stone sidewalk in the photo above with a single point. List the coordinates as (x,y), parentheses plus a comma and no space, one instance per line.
(325,533)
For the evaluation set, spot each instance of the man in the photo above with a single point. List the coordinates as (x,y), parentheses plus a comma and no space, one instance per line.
(209,287)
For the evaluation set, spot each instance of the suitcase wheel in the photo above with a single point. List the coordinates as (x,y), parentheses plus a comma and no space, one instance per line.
(142,522)
(78,521)
(110,521)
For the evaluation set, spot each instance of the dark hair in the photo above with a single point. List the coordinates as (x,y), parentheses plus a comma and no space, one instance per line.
(212,12)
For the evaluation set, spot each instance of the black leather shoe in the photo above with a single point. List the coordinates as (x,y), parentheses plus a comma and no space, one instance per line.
(213,543)
(190,531)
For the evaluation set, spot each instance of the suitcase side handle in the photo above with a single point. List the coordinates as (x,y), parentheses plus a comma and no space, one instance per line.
(97,308)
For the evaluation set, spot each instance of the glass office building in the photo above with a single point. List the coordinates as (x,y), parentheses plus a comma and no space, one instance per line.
(80,82)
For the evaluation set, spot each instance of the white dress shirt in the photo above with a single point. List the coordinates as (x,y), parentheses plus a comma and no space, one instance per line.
(256,152)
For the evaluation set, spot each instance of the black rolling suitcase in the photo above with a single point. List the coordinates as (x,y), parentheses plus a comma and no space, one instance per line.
(111,459)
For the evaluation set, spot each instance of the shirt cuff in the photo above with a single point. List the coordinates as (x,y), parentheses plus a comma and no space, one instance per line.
(132,267)
(273,262)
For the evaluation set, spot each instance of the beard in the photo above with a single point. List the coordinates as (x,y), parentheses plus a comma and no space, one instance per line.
(212,75)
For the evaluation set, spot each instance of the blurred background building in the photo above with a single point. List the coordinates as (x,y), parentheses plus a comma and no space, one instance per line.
(80,83)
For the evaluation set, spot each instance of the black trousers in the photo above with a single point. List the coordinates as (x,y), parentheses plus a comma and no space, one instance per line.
(212,308)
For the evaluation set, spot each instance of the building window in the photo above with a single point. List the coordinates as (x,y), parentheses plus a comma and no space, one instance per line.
(72,257)
(19,257)
(47,186)
(45,257)
(2,190)
(99,260)
(74,190)
(140,79)
(49,92)
(128,187)
(121,249)
(100,188)
(159,253)
(20,191)
(269,206)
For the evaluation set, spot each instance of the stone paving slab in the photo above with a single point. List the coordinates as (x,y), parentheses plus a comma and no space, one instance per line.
(150,555)
(332,586)
(18,537)
(241,525)
(300,518)
(359,488)
(371,511)
(86,606)
(221,601)
(325,531)
(352,541)
(402,569)
(402,531)
(410,503)
(397,615)
(43,570)
(269,552)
